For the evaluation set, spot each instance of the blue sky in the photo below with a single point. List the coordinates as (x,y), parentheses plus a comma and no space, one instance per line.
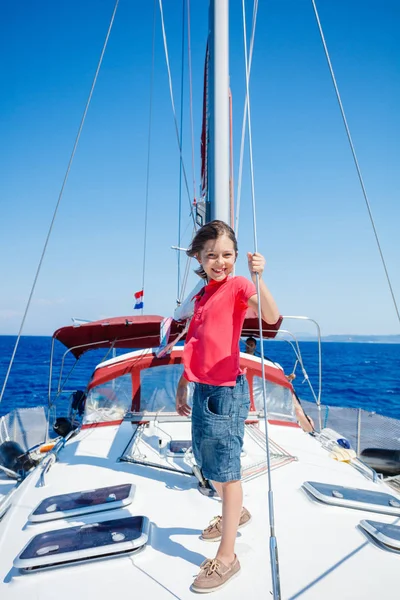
(313,227)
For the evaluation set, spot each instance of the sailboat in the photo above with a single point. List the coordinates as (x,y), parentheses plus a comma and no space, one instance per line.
(115,504)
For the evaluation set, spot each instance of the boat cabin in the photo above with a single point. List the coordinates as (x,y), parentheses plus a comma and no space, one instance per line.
(139,382)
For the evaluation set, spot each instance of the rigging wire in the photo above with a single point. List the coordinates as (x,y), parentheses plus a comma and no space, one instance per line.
(231,181)
(146,210)
(173,108)
(188,262)
(191,96)
(181,292)
(239,190)
(205,130)
(273,546)
(181,147)
(59,199)
(364,191)
(186,274)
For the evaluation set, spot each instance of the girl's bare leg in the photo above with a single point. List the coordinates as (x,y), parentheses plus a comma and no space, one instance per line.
(219,488)
(232,498)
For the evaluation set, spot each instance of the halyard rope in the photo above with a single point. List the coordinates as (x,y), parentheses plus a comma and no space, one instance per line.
(273,546)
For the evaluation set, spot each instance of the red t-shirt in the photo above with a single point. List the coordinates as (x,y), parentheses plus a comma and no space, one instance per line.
(211,353)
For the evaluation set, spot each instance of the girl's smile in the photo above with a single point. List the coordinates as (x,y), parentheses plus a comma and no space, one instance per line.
(218,258)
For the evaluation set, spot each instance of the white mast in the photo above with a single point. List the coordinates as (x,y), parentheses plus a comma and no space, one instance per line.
(218,138)
(218,155)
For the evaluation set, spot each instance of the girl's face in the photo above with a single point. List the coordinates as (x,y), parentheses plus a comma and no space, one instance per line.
(218,258)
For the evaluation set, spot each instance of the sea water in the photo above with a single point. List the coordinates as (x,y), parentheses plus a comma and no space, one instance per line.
(364,375)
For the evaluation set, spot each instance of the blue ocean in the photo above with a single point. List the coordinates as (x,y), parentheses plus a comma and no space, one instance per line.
(364,375)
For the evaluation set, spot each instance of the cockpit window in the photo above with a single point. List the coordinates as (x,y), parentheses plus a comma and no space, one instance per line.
(158,387)
(279,399)
(109,401)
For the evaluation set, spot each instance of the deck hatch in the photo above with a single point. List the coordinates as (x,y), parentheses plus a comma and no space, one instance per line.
(84,502)
(84,542)
(177,448)
(353,497)
(385,533)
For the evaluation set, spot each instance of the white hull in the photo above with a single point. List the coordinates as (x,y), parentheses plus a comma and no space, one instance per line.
(322,551)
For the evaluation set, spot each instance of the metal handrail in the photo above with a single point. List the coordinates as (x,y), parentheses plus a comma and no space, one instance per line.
(300,318)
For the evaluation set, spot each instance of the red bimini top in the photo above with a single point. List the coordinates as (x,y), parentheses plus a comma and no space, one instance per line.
(119,332)
(136,332)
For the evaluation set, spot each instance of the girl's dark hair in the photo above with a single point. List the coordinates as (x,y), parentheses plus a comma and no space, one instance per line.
(210,231)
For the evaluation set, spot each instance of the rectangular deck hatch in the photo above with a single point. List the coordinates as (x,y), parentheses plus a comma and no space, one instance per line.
(84,542)
(386,534)
(84,502)
(177,448)
(353,497)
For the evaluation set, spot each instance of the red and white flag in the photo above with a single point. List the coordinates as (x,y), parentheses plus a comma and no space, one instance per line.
(139,299)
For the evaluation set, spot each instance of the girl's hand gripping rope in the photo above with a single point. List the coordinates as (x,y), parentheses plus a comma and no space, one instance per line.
(269,310)
(256,264)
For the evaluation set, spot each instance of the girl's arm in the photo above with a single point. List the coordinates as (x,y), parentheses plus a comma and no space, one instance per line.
(269,309)
(305,422)
(182,407)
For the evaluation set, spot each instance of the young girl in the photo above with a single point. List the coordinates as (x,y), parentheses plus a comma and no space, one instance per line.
(221,398)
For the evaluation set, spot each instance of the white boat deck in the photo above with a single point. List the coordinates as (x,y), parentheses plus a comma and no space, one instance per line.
(6,485)
(323,554)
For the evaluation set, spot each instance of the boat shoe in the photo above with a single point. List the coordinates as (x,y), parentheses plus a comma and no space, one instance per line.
(214,575)
(213,532)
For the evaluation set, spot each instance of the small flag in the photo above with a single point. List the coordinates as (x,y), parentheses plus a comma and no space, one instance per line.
(138,300)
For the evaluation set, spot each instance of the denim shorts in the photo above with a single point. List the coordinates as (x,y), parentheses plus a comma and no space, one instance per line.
(218,417)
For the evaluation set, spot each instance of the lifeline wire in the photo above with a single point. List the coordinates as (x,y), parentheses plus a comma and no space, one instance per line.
(59,198)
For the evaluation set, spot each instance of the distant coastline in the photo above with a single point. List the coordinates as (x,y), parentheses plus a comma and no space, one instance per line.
(303,337)
(363,339)
(352,339)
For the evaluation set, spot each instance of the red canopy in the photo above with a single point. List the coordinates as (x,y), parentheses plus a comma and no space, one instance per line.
(134,332)
(251,327)
(123,332)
